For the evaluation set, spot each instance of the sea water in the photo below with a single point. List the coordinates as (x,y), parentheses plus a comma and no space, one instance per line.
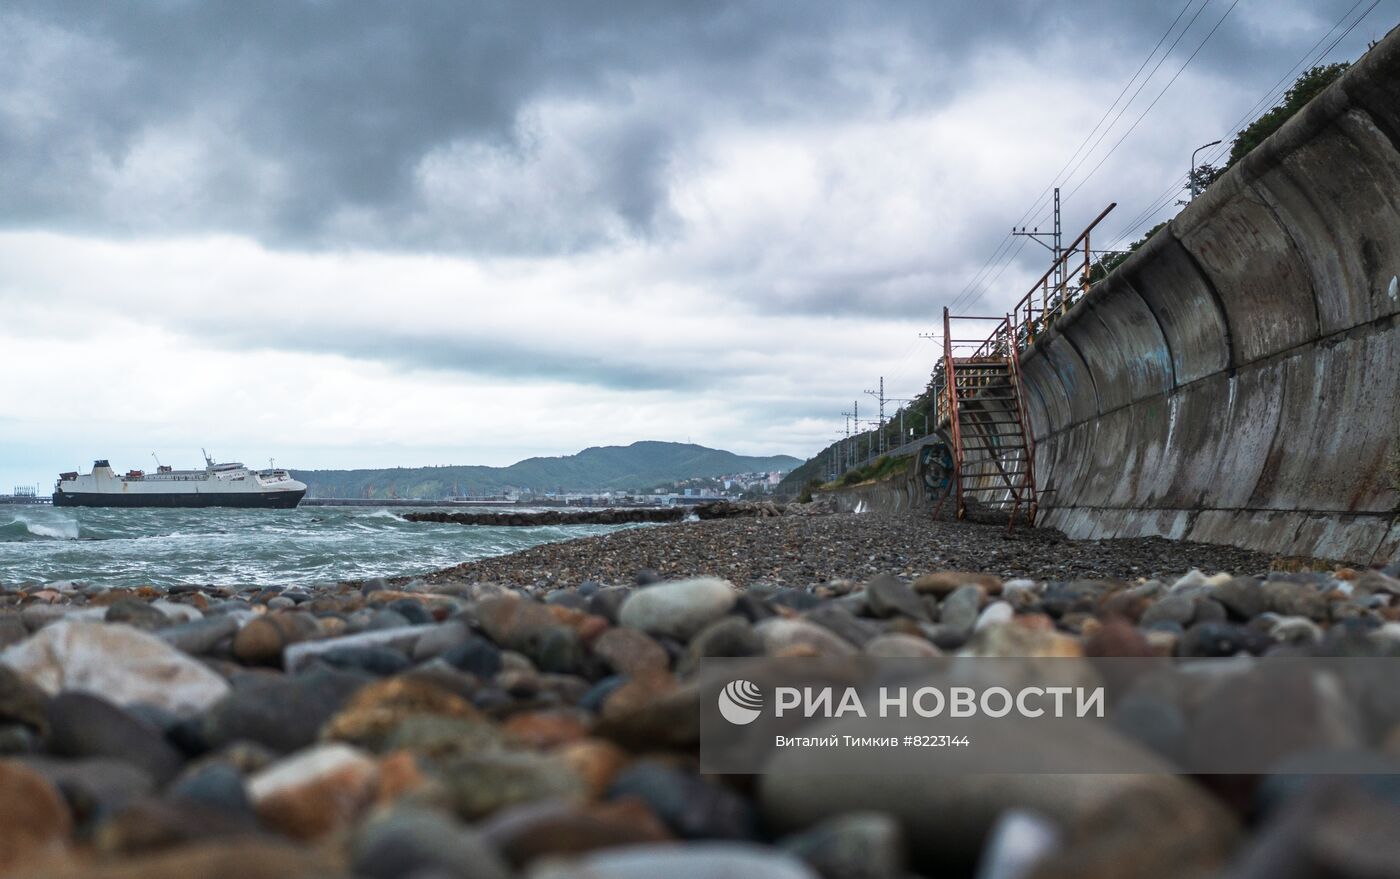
(128,547)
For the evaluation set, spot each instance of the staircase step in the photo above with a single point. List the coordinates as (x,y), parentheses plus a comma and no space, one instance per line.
(982,400)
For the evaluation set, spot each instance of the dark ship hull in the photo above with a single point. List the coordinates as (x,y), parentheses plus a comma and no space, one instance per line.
(270,500)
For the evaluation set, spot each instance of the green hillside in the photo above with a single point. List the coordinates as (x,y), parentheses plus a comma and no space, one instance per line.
(638,467)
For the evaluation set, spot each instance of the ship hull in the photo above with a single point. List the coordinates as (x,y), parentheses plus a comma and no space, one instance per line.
(271,500)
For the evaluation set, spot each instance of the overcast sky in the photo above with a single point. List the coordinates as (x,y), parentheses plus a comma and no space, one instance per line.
(425,233)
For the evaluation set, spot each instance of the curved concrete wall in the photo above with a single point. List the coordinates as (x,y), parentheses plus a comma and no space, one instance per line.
(1238,379)
(901,494)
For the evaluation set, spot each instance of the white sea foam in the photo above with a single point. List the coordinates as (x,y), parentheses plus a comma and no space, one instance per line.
(54,529)
(125,547)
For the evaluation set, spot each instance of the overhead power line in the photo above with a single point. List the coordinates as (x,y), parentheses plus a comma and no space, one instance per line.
(1310,58)
(1003,254)
(1141,86)
(1174,78)
(1097,125)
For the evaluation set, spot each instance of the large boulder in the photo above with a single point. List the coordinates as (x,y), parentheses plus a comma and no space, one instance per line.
(680,609)
(123,665)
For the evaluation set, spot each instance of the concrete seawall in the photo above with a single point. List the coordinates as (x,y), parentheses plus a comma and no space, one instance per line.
(1237,380)
(898,494)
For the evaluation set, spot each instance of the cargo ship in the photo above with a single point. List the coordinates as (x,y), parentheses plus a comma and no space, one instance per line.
(217,485)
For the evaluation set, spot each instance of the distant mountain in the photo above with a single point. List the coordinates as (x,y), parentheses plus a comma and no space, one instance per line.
(638,467)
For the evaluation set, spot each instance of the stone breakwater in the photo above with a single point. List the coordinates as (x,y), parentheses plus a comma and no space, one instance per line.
(553,517)
(611,516)
(461,727)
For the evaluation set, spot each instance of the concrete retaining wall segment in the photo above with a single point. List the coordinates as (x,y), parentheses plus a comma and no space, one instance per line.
(1237,380)
(901,494)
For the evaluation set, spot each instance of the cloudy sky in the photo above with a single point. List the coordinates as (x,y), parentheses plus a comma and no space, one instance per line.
(376,234)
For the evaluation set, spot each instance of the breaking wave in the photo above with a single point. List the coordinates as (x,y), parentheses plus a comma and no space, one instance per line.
(24,528)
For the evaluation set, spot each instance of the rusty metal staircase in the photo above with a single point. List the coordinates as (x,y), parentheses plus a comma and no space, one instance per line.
(993,453)
(981,405)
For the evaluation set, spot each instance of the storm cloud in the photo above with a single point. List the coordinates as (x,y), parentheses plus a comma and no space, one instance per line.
(537,127)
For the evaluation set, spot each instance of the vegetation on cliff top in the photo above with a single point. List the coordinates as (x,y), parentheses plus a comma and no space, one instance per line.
(1306,87)
(882,467)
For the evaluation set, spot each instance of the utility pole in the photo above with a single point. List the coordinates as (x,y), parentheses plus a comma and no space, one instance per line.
(846,446)
(855,408)
(932,417)
(880,425)
(1054,246)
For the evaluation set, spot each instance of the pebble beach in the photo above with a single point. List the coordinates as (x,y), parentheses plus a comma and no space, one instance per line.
(536,715)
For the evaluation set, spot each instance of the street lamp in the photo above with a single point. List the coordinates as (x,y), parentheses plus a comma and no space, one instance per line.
(1196,190)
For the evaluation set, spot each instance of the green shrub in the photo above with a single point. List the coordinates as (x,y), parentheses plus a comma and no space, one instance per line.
(881,468)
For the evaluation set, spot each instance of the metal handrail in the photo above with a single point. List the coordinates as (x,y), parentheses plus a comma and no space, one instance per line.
(1016,330)
(950,387)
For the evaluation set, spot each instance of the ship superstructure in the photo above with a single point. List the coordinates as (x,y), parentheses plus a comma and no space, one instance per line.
(217,485)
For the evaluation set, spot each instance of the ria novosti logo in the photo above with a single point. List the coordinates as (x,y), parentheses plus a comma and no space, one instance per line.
(740,702)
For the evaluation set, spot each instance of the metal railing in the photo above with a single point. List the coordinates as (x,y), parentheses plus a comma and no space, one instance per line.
(1017,330)
(1011,334)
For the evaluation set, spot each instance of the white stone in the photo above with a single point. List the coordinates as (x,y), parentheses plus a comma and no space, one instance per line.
(994,614)
(117,662)
(900,645)
(1018,840)
(1191,580)
(180,613)
(314,792)
(680,609)
(308,766)
(294,656)
(1301,630)
(1389,632)
(699,860)
(1013,586)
